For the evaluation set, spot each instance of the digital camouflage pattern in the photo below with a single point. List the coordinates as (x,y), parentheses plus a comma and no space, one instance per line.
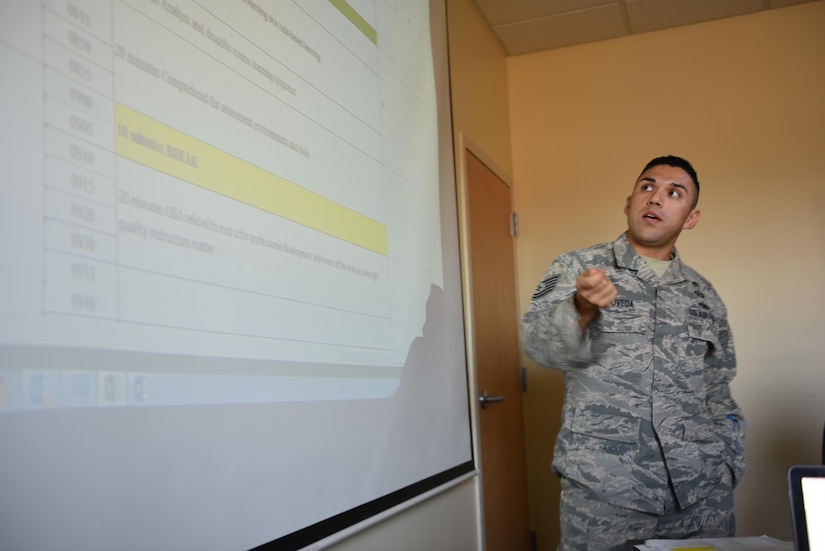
(647,394)
(593,525)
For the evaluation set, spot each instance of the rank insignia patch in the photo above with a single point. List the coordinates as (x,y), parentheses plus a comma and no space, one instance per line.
(545,286)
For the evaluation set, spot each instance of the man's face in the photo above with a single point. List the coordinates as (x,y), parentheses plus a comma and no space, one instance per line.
(659,209)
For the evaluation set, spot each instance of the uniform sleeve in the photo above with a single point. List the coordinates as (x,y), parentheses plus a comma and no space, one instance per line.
(550,328)
(720,370)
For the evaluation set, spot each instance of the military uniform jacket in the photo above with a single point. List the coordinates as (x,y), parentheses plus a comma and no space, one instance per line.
(647,396)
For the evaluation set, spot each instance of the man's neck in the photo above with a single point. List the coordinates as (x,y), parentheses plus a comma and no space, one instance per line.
(657,253)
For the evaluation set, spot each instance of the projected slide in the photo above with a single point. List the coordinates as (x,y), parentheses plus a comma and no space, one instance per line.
(209,179)
(232,311)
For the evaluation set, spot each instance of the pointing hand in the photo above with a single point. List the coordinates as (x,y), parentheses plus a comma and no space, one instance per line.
(593,291)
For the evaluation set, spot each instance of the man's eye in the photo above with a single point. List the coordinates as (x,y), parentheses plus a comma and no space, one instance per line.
(646,187)
(675,193)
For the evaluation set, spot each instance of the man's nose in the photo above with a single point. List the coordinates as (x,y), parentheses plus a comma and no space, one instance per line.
(655,198)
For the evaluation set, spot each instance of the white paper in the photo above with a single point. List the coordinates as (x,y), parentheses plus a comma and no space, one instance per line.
(760,543)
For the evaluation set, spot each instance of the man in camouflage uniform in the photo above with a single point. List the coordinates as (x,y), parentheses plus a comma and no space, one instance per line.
(651,443)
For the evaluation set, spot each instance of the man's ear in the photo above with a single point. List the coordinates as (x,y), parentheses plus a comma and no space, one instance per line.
(627,205)
(691,220)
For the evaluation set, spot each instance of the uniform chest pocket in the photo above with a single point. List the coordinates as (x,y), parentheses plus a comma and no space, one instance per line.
(620,342)
(703,335)
(622,323)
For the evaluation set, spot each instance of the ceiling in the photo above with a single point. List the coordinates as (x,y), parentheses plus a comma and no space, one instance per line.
(525,26)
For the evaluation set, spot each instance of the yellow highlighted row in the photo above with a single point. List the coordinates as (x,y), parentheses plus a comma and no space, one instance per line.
(356,19)
(151,143)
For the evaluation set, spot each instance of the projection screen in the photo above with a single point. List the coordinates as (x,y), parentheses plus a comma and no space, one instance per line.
(232,311)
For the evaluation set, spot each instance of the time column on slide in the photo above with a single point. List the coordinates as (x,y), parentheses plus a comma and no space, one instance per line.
(80,249)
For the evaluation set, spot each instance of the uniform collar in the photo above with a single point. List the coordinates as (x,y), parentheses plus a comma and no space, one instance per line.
(627,257)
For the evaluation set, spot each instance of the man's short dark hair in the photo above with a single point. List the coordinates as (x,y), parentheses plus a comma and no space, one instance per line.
(677,162)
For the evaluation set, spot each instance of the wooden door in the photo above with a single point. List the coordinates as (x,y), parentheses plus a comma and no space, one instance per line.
(495,334)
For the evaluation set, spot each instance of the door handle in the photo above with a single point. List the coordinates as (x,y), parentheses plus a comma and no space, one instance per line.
(486,399)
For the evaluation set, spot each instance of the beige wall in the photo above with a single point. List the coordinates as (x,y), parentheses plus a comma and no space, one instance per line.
(478,81)
(744,100)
